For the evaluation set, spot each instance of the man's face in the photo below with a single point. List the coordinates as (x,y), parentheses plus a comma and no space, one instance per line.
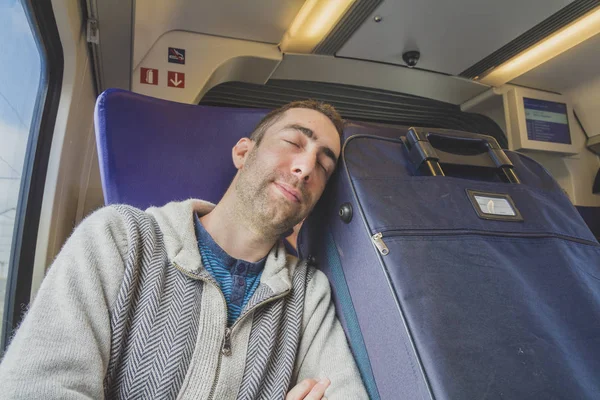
(281,179)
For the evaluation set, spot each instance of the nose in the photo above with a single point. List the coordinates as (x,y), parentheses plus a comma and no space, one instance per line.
(303,166)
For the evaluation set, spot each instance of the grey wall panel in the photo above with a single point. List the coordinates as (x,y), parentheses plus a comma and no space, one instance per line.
(311,67)
(113,54)
(451,35)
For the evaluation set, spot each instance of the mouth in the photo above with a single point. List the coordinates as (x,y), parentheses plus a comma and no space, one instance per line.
(289,192)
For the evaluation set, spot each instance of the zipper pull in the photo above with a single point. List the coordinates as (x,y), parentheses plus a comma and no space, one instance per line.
(226,350)
(379,243)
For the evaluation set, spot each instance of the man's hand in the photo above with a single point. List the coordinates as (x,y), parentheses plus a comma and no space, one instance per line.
(309,389)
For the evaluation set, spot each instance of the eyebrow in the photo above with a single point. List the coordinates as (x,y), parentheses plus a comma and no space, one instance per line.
(311,135)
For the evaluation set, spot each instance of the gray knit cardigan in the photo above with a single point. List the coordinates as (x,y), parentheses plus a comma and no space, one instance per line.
(127,311)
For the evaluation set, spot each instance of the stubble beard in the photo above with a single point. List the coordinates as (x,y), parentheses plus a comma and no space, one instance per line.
(265,214)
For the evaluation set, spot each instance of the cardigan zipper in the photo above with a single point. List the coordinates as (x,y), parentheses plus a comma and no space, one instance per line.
(226,346)
(227,330)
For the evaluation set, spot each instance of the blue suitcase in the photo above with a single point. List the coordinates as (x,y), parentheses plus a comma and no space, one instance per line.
(459,271)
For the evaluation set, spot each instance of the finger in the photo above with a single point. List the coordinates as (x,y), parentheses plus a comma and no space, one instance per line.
(299,391)
(318,391)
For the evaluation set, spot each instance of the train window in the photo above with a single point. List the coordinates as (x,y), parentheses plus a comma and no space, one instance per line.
(31,65)
(20,75)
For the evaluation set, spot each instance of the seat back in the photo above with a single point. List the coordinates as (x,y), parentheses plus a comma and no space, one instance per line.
(154,151)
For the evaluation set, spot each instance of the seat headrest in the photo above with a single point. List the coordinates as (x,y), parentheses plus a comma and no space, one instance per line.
(154,151)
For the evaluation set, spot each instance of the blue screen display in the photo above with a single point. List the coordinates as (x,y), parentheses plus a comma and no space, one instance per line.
(547,121)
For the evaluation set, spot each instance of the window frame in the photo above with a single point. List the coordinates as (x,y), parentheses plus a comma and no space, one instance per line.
(21,262)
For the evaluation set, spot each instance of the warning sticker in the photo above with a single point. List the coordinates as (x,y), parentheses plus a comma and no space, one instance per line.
(176,56)
(149,76)
(497,206)
(176,79)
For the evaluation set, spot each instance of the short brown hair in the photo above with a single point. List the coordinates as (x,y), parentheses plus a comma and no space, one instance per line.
(272,117)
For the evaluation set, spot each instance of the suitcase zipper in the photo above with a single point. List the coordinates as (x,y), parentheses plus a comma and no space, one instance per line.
(379,243)
(377,238)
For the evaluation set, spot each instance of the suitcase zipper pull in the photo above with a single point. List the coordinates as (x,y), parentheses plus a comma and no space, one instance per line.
(379,243)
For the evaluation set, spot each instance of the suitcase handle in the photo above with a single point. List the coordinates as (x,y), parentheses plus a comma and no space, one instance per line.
(431,147)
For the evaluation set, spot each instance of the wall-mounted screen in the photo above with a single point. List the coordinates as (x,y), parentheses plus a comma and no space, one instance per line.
(547,121)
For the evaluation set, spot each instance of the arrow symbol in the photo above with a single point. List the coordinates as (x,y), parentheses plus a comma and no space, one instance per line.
(176,82)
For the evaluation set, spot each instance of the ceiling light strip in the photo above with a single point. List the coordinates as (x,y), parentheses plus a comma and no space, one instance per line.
(566,38)
(555,22)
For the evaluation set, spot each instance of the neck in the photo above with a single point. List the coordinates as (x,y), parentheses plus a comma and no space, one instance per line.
(234,234)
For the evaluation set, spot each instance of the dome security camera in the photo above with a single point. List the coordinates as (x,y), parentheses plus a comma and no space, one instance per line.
(411,58)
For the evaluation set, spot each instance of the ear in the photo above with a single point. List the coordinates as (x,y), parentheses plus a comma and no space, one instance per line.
(240,152)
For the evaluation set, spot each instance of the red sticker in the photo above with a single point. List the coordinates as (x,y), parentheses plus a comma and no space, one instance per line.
(149,76)
(176,79)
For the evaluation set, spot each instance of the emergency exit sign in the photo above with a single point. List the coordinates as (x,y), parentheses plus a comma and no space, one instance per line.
(176,79)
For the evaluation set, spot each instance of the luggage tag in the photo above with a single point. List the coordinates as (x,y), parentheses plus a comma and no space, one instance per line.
(494,206)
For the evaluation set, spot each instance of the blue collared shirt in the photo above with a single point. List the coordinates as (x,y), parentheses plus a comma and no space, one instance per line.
(238,279)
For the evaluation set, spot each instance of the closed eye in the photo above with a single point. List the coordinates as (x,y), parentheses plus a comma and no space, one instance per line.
(292,143)
(322,167)
(298,146)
